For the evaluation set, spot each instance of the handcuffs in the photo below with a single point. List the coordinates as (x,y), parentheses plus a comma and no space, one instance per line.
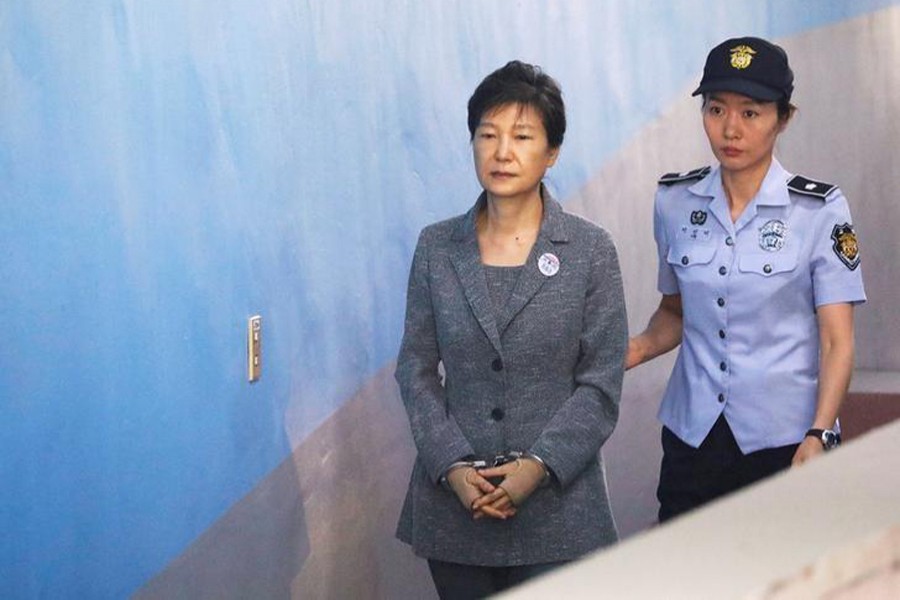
(496,461)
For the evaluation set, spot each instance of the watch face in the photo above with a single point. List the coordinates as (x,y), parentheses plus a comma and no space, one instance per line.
(830,439)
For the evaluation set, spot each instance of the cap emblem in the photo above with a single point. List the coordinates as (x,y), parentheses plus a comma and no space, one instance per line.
(742,56)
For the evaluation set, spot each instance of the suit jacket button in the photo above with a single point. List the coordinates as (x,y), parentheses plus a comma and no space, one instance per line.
(497,414)
(497,364)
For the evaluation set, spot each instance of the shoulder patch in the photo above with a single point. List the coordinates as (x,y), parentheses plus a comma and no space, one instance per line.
(809,187)
(673,178)
(845,245)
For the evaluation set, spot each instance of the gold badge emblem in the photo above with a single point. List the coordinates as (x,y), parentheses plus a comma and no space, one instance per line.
(742,56)
(845,245)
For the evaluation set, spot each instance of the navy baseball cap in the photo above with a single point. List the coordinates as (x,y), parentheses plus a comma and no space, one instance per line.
(750,66)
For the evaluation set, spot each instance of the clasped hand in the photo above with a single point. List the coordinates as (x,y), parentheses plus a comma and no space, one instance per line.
(484,499)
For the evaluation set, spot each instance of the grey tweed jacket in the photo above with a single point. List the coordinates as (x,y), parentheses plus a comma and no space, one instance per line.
(546,376)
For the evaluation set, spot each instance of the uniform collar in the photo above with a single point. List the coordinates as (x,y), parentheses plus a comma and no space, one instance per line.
(552,229)
(772,192)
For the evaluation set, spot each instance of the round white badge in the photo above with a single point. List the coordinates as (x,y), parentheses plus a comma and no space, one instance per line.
(548,264)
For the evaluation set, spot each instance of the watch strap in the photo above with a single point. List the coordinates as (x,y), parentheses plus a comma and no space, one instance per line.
(820,434)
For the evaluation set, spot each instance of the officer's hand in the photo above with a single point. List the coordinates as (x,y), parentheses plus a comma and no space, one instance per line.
(635,354)
(520,478)
(809,448)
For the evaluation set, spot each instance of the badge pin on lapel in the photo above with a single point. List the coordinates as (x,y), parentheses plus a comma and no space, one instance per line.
(548,264)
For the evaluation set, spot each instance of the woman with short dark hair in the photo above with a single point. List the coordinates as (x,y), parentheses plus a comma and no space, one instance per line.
(759,272)
(522,305)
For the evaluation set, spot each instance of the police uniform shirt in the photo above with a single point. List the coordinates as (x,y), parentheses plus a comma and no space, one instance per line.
(749,290)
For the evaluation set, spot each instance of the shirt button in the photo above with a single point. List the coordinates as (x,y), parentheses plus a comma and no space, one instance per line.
(722,334)
(723,366)
(721,301)
(684,260)
(497,414)
(729,241)
(767,269)
(497,364)
(721,398)
(722,270)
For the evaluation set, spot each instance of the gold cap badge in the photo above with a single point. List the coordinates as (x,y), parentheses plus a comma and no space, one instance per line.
(742,56)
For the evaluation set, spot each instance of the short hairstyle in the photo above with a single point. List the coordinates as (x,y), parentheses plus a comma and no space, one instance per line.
(526,85)
(786,109)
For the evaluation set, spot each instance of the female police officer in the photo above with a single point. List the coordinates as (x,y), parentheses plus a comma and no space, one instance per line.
(759,272)
(522,303)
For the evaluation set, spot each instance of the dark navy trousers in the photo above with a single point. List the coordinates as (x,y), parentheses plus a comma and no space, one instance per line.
(690,477)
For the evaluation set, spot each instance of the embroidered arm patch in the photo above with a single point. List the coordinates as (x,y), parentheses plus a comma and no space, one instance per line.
(845,245)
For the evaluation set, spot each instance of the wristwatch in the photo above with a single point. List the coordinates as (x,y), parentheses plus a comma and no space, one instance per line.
(830,439)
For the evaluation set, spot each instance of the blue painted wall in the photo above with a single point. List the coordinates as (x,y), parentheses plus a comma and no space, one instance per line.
(168,169)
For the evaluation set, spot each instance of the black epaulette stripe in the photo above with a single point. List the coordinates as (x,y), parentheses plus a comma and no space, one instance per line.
(671,178)
(810,187)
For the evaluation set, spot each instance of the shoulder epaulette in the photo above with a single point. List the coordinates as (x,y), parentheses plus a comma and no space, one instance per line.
(809,187)
(673,178)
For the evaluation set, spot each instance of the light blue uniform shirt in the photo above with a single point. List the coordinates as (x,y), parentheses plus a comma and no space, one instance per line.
(749,293)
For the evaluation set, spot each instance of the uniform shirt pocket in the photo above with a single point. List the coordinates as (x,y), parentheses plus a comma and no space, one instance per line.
(768,264)
(690,254)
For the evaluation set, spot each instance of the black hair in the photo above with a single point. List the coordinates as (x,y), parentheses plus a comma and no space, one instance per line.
(786,110)
(526,85)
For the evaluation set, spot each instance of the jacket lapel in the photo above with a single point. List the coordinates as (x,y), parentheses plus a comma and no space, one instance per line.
(531,279)
(466,261)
